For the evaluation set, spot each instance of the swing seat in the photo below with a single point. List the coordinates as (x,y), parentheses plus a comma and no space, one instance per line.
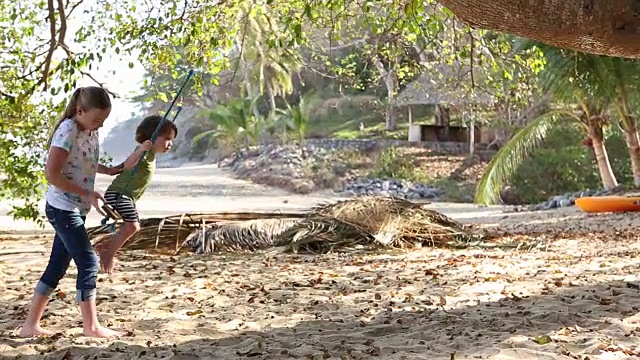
(111,213)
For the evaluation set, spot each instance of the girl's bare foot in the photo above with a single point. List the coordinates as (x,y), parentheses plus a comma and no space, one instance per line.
(33,331)
(101,332)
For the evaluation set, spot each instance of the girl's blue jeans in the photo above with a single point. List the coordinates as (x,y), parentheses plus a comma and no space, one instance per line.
(71,242)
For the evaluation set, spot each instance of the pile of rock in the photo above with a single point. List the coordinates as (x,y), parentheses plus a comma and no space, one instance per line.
(293,167)
(396,188)
(567,200)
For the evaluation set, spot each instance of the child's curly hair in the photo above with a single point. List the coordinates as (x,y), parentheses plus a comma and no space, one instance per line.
(148,126)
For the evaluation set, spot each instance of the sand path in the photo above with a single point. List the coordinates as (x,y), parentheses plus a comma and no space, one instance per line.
(208,188)
(568,300)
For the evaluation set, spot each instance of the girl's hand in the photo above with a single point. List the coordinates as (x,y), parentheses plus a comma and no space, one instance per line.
(146,146)
(94,196)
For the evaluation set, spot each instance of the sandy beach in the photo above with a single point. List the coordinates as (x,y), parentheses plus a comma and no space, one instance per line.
(573,297)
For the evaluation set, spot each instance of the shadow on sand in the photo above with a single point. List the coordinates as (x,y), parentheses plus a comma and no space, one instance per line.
(502,329)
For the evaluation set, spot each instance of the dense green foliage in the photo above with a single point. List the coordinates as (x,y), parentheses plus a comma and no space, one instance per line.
(563,164)
(257,63)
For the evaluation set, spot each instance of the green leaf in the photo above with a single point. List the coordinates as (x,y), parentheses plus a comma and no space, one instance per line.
(542,339)
(505,163)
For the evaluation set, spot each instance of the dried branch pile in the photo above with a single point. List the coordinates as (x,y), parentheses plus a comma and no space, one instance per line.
(368,222)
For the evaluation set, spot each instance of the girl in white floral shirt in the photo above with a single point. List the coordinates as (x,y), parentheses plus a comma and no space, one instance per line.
(71,169)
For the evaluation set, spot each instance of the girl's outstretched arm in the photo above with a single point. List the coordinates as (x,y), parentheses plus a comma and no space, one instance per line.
(114,170)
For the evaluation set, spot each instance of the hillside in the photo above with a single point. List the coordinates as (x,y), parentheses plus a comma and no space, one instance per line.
(120,140)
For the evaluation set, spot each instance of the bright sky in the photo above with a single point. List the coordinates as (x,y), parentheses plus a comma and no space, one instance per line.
(114,73)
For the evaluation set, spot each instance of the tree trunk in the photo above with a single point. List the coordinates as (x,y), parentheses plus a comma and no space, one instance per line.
(602,158)
(390,122)
(607,27)
(272,100)
(247,84)
(631,137)
(391,81)
(443,118)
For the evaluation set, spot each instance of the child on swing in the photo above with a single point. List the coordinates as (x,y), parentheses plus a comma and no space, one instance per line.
(128,187)
(71,171)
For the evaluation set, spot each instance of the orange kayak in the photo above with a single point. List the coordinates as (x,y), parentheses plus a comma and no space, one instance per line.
(601,204)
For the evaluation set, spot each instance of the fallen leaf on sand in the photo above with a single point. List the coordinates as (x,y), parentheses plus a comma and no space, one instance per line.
(61,294)
(195,312)
(542,339)
(606,301)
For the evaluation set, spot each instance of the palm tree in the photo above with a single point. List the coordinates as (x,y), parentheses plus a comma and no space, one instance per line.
(296,117)
(617,79)
(574,82)
(610,79)
(234,126)
(268,67)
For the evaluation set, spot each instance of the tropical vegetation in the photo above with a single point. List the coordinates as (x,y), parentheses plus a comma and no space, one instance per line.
(289,70)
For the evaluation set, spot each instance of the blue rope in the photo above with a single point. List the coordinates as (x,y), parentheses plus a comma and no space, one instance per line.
(154,136)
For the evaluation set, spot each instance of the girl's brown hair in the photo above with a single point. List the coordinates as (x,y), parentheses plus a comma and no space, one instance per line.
(87,98)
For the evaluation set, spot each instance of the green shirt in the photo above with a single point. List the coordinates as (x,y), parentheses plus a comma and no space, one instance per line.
(134,185)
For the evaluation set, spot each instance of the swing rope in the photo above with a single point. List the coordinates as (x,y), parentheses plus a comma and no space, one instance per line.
(153,139)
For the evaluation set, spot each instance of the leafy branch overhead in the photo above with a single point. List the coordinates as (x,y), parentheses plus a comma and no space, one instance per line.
(49,45)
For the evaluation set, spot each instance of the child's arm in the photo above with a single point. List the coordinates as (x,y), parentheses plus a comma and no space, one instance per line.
(135,156)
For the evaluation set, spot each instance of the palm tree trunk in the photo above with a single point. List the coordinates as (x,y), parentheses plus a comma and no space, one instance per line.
(630,128)
(594,119)
(602,158)
(631,137)
(247,84)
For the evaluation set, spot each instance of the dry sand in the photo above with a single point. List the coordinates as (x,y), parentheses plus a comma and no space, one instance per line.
(574,298)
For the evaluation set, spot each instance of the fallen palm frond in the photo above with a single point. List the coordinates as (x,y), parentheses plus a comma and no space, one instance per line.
(367,222)
(249,235)
(322,234)
(173,230)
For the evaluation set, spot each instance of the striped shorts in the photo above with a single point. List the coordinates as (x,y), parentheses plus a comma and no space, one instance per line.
(125,206)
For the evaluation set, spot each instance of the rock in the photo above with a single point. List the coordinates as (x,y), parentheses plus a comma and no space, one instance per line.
(390,187)
(509,196)
(551,204)
(565,203)
(569,199)
(539,207)
(303,186)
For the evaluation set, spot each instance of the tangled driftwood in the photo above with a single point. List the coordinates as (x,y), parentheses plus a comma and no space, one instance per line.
(369,222)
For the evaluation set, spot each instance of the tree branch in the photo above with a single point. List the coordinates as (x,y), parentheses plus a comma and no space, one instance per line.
(98,83)
(63,29)
(73,7)
(52,46)
(4,94)
(70,54)
(603,27)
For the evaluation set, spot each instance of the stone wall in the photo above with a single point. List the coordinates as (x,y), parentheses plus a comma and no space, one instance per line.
(452,148)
